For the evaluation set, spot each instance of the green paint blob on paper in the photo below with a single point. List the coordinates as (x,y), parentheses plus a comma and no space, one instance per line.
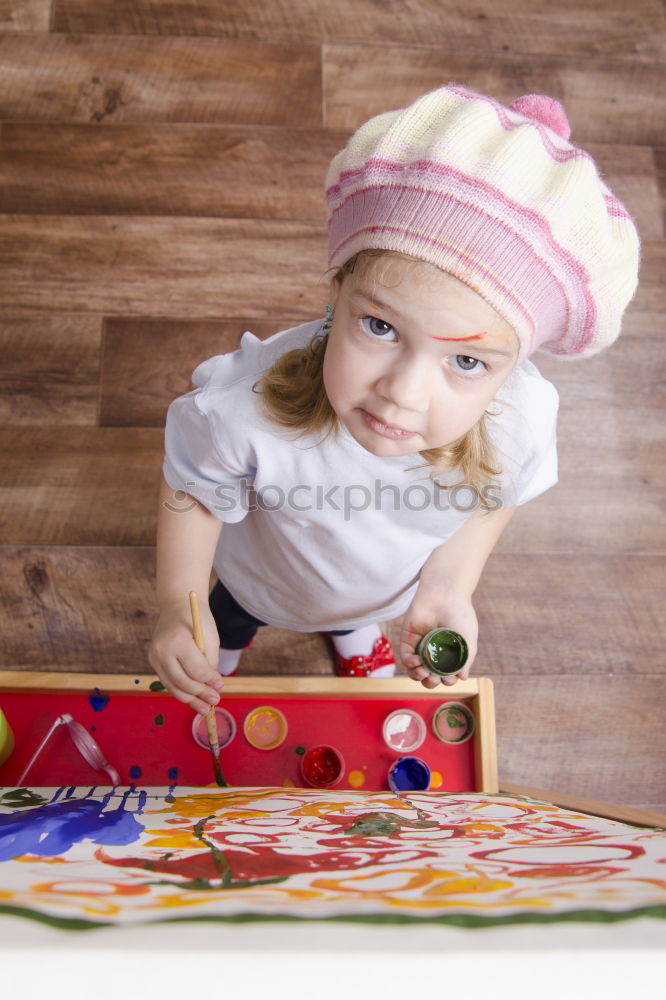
(384,824)
(22,798)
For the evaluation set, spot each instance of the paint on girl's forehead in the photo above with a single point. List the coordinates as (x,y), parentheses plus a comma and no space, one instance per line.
(499,340)
(474,336)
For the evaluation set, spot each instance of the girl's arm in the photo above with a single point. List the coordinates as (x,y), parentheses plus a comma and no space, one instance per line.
(187,535)
(444,595)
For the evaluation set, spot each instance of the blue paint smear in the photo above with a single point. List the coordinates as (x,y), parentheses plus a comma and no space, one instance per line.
(54,828)
(98,700)
(135,771)
(172,773)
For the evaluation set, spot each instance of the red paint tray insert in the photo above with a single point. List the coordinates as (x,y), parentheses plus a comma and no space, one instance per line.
(147,736)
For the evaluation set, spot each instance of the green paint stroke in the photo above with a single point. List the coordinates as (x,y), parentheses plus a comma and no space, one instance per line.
(157,686)
(455,719)
(22,798)
(465,920)
(383,824)
(159,720)
(226,879)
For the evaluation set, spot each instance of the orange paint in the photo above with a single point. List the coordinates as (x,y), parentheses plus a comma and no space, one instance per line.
(356,779)
(475,336)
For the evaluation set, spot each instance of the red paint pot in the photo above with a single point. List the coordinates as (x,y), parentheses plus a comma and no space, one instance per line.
(322,767)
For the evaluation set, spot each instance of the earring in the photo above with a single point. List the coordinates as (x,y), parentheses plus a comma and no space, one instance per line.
(328,322)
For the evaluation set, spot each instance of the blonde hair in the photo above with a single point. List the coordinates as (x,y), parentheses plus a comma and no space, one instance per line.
(294,396)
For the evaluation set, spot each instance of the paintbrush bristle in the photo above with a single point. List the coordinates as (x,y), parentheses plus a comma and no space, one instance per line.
(219,777)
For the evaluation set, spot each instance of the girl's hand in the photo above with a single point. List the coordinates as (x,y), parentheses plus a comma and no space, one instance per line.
(185,672)
(431,610)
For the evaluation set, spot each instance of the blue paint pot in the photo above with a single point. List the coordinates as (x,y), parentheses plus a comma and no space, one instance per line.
(409,774)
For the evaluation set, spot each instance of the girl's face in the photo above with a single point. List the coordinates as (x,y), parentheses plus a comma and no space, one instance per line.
(413,362)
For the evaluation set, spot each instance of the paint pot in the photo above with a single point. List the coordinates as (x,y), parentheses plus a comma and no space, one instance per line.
(265,727)
(404,730)
(322,767)
(443,651)
(453,722)
(6,738)
(409,774)
(226,729)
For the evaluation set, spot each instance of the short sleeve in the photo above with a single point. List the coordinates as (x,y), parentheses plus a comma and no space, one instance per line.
(209,437)
(526,439)
(203,462)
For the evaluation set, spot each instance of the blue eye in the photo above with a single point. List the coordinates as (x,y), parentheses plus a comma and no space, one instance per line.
(378,328)
(467,364)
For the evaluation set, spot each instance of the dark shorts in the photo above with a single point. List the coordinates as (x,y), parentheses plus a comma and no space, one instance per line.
(236,627)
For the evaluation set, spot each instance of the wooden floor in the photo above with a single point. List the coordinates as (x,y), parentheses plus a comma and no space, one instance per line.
(161,172)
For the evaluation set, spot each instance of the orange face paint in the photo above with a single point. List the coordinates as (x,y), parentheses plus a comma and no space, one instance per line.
(475,336)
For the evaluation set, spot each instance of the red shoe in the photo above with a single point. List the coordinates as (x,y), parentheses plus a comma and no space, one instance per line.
(365,666)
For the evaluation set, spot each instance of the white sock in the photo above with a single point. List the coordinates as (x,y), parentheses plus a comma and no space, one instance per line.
(228,661)
(361,642)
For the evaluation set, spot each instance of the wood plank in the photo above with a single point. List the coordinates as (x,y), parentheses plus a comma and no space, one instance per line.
(584,514)
(651,297)
(88,609)
(354,90)
(210,170)
(585,737)
(196,170)
(359,687)
(195,268)
(50,370)
(580,28)
(660,165)
(147,363)
(92,609)
(81,486)
(25,15)
(566,614)
(485,735)
(134,79)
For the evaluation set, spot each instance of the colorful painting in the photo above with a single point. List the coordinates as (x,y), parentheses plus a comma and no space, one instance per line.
(82,858)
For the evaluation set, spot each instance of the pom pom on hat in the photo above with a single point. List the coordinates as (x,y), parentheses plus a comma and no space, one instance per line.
(545,110)
(499,198)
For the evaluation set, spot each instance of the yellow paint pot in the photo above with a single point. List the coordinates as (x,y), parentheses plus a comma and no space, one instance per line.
(265,727)
(6,738)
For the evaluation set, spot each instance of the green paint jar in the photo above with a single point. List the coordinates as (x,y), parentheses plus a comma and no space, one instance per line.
(443,651)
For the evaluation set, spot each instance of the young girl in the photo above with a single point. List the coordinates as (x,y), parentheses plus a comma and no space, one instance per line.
(364,467)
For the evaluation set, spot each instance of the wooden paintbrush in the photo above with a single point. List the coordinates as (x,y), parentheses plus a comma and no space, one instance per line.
(211,721)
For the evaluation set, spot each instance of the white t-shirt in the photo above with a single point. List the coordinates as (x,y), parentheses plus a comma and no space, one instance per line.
(321,534)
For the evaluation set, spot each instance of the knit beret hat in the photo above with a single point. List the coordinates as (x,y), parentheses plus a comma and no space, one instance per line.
(499,198)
